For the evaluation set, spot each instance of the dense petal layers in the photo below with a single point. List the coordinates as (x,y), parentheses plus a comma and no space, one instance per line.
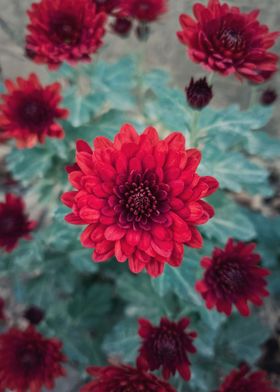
(14,223)
(140,198)
(124,378)
(166,346)
(233,277)
(144,10)
(243,379)
(29,361)
(225,40)
(64,30)
(29,111)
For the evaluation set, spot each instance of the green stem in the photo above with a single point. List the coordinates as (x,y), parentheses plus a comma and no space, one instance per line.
(252,96)
(194,128)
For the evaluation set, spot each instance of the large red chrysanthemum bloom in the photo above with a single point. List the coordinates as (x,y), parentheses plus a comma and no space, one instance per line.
(29,111)
(14,223)
(124,378)
(144,10)
(233,277)
(243,379)
(29,361)
(224,39)
(64,30)
(140,198)
(107,6)
(166,346)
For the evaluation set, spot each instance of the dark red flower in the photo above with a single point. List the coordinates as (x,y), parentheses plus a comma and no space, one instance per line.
(124,378)
(14,223)
(122,26)
(144,10)
(2,310)
(166,346)
(29,111)
(107,6)
(34,315)
(199,93)
(64,30)
(269,96)
(233,277)
(140,198)
(29,361)
(244,380)
(224,39)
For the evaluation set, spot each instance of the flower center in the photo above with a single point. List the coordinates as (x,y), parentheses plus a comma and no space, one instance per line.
(142,199)
(232,40)
(8,224)
(65,28)
(29,359)
(33,113)
(230,277)
(101,2)
(166,347)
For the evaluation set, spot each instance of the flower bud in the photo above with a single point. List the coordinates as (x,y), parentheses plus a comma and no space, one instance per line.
(199,93)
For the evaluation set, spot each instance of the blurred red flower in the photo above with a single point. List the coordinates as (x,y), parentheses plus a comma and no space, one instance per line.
(224,39)
(64,30)
(112,378)
(29,111)
(166,346)
(14,223)
(144,10)
(140,198)
(245,380)
(233,277)
(29,361)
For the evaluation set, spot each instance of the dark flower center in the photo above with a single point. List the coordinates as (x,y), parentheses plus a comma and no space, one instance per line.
(232,40)
(7,224)
(29,359)
(101,2)
(34,113)
(142,198)
(230,277)
(65,28)
(166,347)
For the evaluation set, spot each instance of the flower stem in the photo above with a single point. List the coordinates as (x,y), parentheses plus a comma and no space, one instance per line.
(194,128)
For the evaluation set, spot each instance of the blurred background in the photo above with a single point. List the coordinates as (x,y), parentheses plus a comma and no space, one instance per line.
(162,50)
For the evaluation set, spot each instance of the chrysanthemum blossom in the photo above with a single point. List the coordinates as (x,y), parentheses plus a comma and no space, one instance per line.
(144,10)
(140,198)
(124,378)
(29,361)
(29,111)
(223,39)
(244,379)
(166,346)
(64,30)
(233,276)
(14,222)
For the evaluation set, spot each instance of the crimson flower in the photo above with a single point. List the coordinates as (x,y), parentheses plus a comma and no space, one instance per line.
(140,198)
(64,30)
(124,378)
(224,39)
(29,111)
(2,312)
(166,345)
(107,6)
(233,277)
(243,379)
(29,361)
(144,10)
(14,223)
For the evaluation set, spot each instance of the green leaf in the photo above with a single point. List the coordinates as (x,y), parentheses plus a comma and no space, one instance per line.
(82,262)
(261,144)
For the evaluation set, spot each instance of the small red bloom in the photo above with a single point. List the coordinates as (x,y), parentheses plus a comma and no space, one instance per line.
(224,39)
(64,30)
(121,26)
(233,277)
(29,361)
(34,315)
(166,346)
(140,198)
(243,379)
(144,10)
(107,6)
(124,378)
(29,111)
(14,223)
(2,312)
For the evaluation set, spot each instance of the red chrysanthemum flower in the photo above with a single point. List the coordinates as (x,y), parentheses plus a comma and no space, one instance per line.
(64,30)
(14,223)
(233,277)
(224,39)
(243,379)
(2,310)
(29,361)
(144,10)
(29,111)
(140,198)
(107,6)
(166,346)
(124,378)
